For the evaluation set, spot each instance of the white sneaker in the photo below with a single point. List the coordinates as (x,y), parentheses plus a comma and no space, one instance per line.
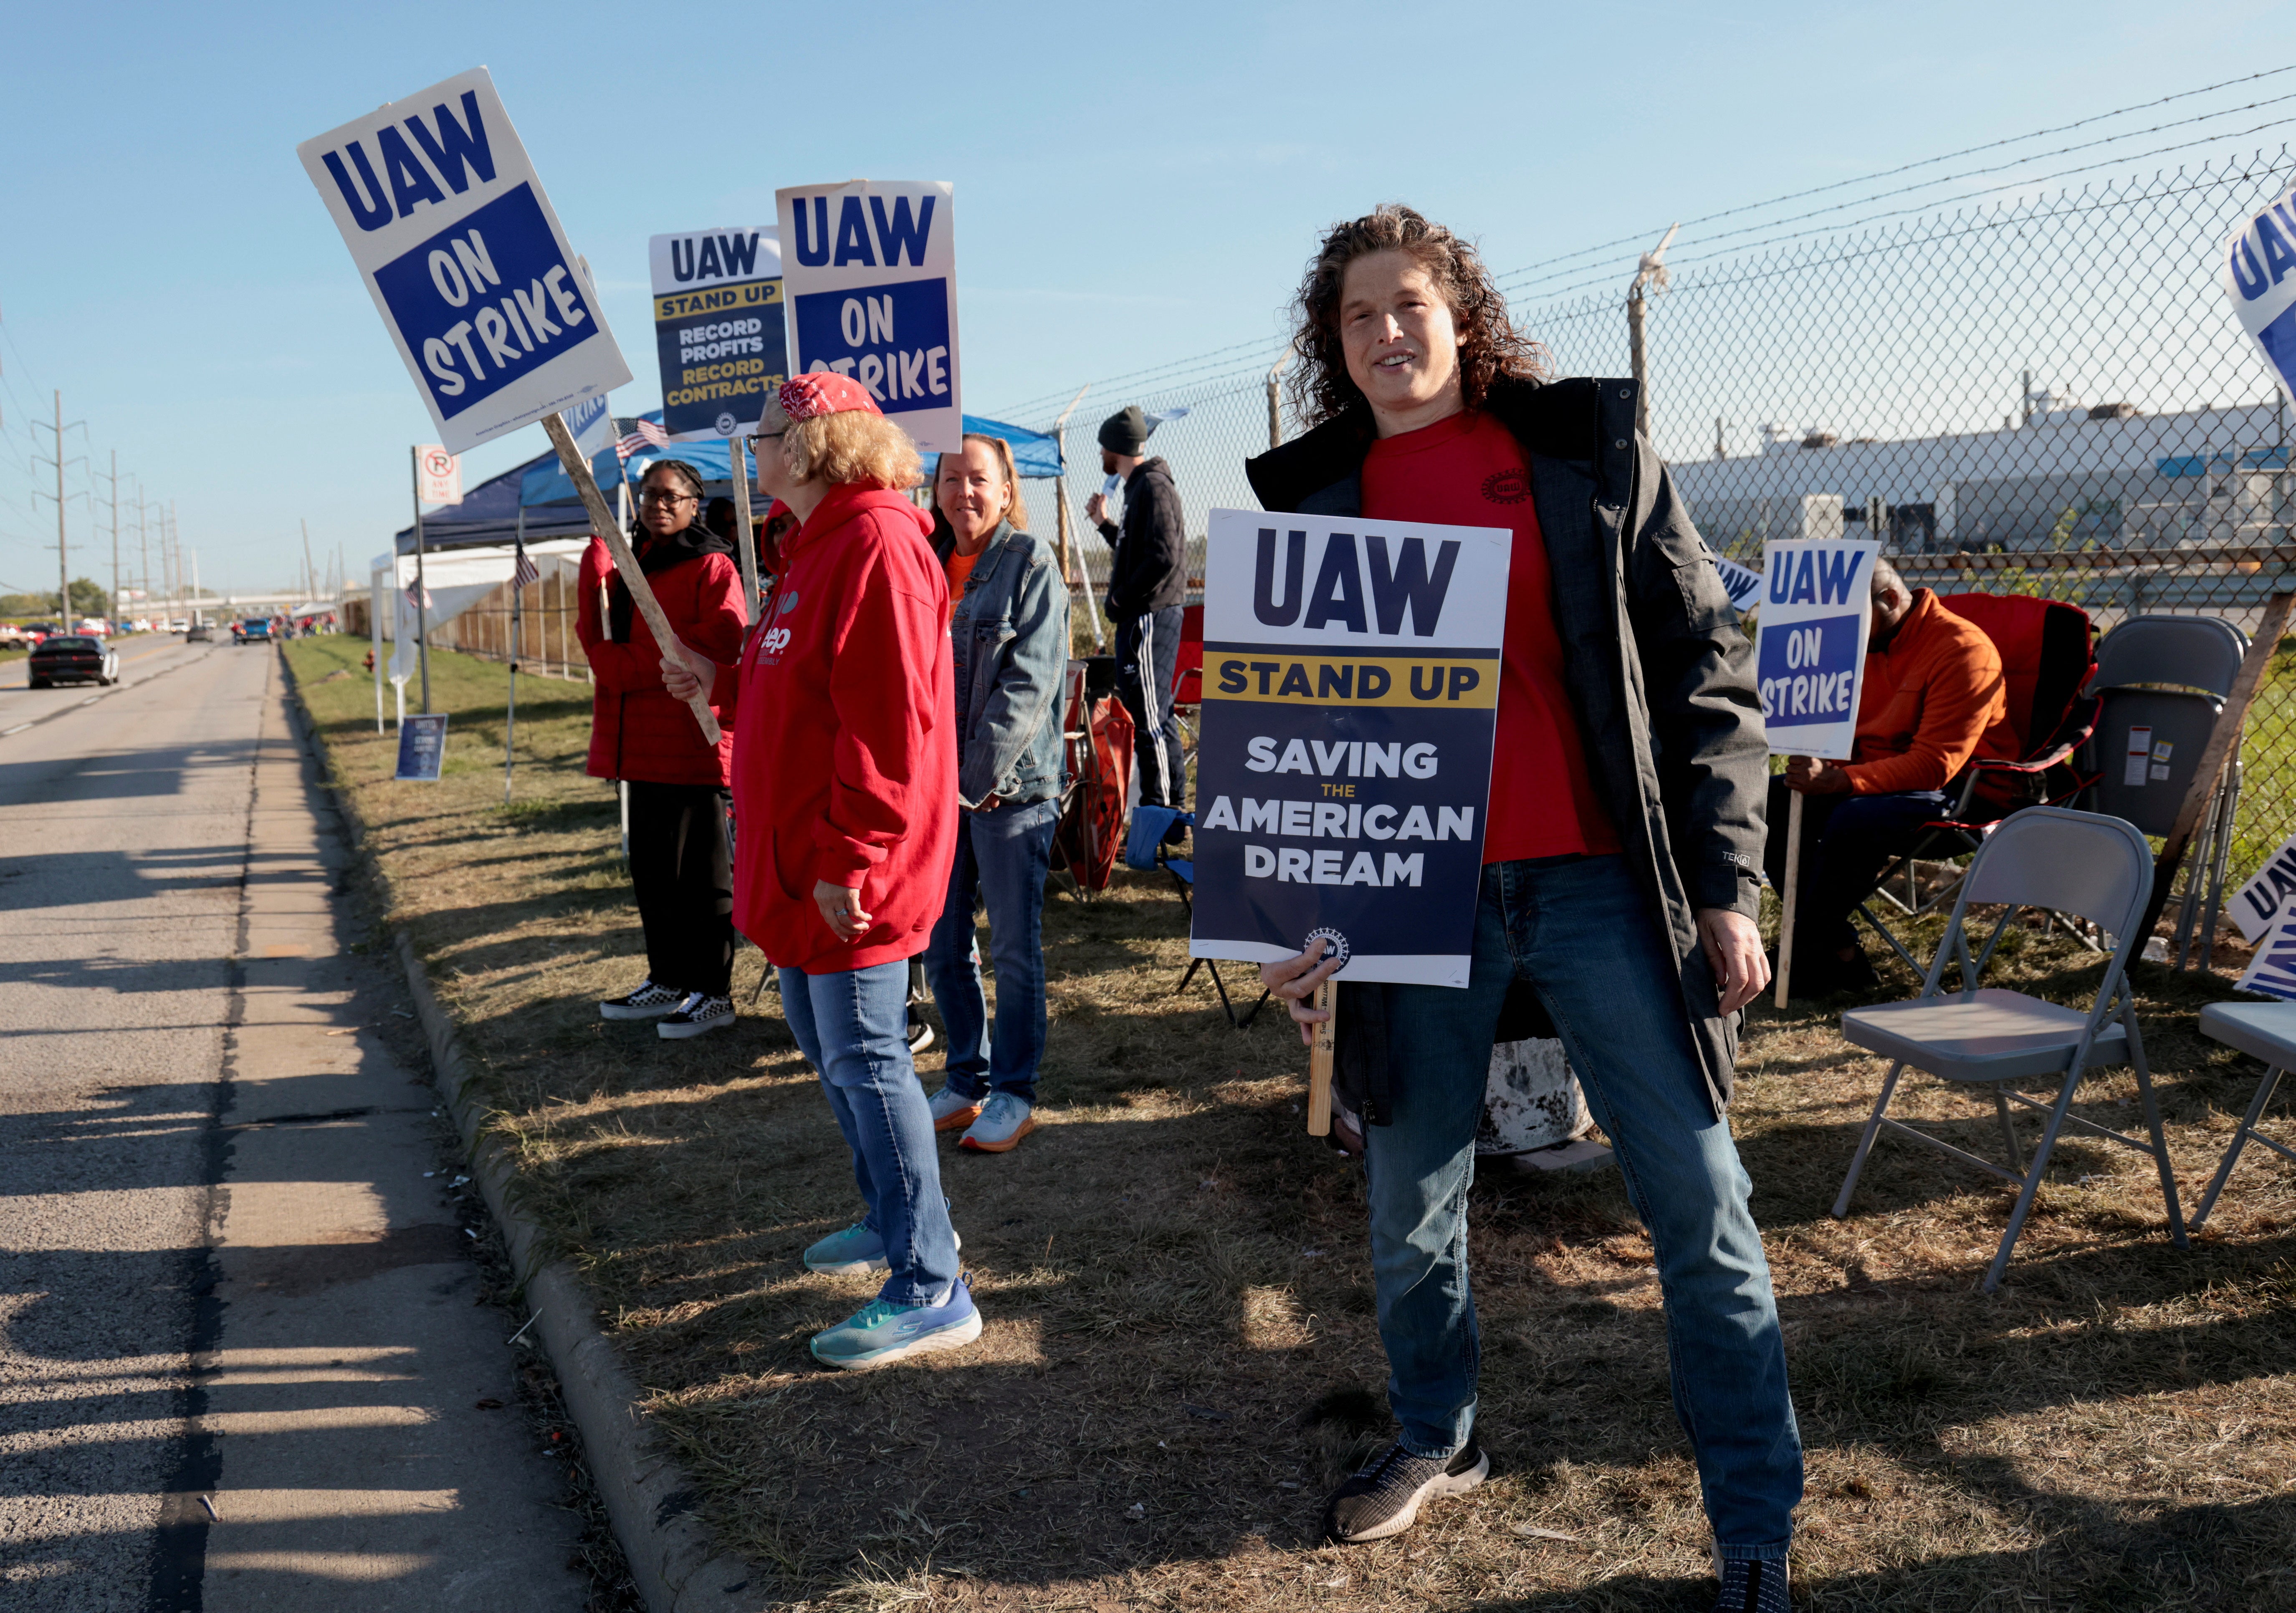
(953,1111)
(696,1016)
(648,1002)
(1002,1124)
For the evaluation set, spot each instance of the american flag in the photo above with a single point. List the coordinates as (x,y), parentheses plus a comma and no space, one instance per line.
(525,573)
(643,434)
(419,597)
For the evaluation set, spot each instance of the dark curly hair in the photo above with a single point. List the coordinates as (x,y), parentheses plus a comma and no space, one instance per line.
(684,472)
(1489,346)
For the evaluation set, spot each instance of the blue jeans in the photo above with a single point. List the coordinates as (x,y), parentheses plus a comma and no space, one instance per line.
(1001,857)
(1847,842)
(853,1026)
(1581,933)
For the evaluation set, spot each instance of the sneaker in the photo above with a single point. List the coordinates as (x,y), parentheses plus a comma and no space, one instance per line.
(951,1110)
(855,1249)
(696,1016)
(1753,1587)
(880,1333)
(1002,1124)
(648,1002)
(1384,1499)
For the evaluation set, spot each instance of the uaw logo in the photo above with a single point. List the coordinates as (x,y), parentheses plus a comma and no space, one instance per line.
(1323,942)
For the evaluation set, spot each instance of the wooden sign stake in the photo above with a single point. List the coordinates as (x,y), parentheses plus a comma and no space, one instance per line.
(1792,889)
(1319,1061)
(742,535)
(602,522)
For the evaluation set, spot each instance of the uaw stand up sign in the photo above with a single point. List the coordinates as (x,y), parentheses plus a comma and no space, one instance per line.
(1351,679)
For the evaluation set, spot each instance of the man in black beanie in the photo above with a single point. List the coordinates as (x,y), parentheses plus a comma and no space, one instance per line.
(1147,584)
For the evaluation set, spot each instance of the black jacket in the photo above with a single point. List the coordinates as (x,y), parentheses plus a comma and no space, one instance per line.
(1150,571)
(1660,678)
(658,554)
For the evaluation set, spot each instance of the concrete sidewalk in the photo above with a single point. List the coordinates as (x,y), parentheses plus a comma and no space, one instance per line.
(274,1388)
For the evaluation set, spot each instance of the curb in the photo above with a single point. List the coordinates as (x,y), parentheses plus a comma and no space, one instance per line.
(679,1565)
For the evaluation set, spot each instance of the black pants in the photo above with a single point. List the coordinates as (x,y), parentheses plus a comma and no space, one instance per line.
(1847,843)
(682,873)
(1147,648)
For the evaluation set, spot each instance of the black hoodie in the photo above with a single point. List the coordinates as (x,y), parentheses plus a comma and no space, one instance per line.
(1150,571)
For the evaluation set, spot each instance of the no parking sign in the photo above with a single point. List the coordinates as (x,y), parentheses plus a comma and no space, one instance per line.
(437,475)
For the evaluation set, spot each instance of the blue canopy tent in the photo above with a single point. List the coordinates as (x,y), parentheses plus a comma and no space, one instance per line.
(489,512)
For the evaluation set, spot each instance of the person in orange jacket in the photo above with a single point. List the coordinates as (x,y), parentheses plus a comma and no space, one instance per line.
(1933,698)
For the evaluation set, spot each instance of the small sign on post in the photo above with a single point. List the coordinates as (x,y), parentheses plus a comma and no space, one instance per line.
(437,476)
(1810,659)
(1351,675)
(422,747)
(871,275)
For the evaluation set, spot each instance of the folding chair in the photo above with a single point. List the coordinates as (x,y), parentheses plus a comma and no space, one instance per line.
(2268,1031)
(1145,849)
(2149,739)
(2045,657)
(2064,862)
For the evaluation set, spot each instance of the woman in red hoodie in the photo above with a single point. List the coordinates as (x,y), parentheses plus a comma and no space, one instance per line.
(845,786)
(679,869)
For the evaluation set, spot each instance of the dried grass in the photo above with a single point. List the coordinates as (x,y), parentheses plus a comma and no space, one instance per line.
(1180,1352)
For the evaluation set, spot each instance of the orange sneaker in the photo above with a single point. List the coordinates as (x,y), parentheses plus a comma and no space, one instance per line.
(953,1111)
(1002,1124)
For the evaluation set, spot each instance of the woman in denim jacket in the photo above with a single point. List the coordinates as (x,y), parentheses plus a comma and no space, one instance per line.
(1009,631)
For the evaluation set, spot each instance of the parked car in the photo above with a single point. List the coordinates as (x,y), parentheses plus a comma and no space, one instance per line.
(180,625)
(34,632)
(72,658)
(199,633)
(254,630)
(13,637)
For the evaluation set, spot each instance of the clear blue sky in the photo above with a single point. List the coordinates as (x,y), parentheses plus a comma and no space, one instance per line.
(1134,184)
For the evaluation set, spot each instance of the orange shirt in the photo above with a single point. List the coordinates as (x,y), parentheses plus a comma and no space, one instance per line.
(1467,470)
(959,568)
(1932,701)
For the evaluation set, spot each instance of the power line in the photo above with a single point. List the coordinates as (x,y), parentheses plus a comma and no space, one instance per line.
(1606,278)
(1643,235)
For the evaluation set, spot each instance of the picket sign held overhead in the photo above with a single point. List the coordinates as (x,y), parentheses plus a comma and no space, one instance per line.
(456,242)
(461,251)
(2259,276)
(1810,650)
(2272,971)
(718,328)
(1350,695)
(870,271)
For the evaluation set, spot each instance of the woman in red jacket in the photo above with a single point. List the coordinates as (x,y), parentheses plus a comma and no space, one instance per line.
(639,733)
(845,781)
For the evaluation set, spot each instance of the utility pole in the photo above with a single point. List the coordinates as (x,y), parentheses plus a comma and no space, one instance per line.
(64,573)
(144,541)
(114,612)
(310,577)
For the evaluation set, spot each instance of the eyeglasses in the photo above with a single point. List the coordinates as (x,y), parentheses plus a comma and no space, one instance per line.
(657,496)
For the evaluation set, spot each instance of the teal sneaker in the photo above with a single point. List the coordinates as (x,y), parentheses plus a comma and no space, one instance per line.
(856,1249)
(880,1333)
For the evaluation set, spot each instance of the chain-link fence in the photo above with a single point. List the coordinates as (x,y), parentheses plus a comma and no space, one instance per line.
(2048,396)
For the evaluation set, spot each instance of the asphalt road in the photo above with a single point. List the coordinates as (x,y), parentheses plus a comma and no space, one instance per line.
(241,1363)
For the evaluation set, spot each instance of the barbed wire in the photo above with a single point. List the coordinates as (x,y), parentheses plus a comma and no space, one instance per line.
(1642,236)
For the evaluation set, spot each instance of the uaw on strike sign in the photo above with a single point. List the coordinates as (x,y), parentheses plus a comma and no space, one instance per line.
(2259,276)
(491,310)
(1351,682)
(1810,653)
(871,273)
(717,327)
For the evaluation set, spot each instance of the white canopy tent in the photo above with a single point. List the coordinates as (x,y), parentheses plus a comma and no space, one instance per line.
(455,581)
